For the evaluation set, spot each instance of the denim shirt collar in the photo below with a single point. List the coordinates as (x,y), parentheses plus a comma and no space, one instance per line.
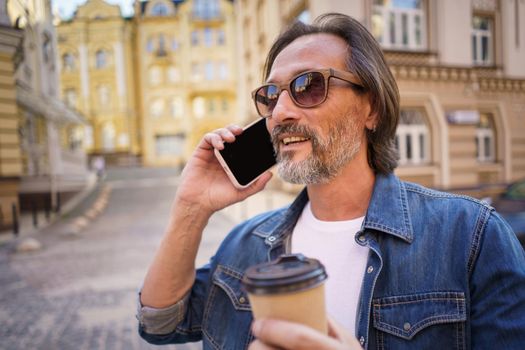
(387,212)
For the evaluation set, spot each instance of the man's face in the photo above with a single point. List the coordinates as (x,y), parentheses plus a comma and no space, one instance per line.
(313,145)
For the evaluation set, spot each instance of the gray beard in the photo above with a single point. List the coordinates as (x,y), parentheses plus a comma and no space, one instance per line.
(328,157)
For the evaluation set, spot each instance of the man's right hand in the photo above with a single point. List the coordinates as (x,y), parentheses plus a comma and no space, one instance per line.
(204,182)
(204,189)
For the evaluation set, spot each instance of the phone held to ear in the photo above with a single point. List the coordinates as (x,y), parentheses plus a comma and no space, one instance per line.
(249,156)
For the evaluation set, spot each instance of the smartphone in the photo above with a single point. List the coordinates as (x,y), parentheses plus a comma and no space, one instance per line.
(249,156)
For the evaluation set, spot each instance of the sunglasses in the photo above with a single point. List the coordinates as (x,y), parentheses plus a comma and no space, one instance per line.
(308,89)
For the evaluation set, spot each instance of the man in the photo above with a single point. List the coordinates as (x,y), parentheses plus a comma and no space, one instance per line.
(409,268)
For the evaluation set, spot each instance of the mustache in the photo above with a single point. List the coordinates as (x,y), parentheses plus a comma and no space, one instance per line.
(302,130)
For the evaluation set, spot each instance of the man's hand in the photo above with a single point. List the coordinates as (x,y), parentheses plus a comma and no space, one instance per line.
(277,334)
(205,184)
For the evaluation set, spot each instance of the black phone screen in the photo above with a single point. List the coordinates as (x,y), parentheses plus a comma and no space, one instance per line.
(250,154)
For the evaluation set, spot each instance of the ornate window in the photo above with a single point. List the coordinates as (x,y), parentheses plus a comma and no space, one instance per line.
(173,74)
(199,107)
(206,9)
(400,24)
(169,145)
(157,108)
(101,59)
(177,107)
(223,70)
(485,139)
(482,40)
(155,76)
(209,71)
(208,37)
(68,61)
(160,9)
(413,138)
(108,136)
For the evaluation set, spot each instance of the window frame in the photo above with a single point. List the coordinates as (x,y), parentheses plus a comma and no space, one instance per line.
(396,42)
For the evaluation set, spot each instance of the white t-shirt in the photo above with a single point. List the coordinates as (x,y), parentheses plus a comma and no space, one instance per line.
(333,243)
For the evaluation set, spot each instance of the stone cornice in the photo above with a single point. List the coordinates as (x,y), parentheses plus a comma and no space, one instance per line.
(484,79)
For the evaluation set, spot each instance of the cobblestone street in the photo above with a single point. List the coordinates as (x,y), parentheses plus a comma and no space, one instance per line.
(79,290)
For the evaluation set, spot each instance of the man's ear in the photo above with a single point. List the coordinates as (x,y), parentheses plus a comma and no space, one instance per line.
(371,121)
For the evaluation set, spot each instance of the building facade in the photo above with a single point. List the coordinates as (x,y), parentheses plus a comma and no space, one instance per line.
(186,73)
(96,61)
(10,154)
(459,67)
(39,149)
(150,85)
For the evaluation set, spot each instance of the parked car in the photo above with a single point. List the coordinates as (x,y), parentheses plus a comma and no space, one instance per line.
(511,206)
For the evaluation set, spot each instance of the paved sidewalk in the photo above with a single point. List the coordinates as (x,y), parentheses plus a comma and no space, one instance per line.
(79,290)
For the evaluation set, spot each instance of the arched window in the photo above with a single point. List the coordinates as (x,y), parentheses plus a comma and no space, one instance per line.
(199,107)
(68,61)
(159,9)
(155,76)
(485,139)
(413,138)
(101,59)
(108,137)
(177,107)
(157,108)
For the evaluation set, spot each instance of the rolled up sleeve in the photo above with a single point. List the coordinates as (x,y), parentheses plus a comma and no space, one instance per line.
(164,320)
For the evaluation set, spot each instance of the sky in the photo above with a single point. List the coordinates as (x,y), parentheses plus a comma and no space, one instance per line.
(66,8)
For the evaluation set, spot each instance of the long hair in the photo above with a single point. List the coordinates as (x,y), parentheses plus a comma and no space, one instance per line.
(366,61)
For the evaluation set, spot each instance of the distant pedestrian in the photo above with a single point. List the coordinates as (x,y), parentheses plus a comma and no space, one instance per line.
(408,267)
(98,164)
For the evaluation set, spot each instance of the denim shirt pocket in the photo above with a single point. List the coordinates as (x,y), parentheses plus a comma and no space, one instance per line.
(230,281)
(227,316)
(420,321)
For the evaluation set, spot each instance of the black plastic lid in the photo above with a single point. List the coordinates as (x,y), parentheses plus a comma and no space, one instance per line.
(288,273)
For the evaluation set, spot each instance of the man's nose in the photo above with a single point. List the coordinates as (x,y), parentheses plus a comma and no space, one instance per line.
(285,109)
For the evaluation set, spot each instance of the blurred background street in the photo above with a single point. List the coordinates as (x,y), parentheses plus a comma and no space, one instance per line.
(103,102)
(79,290)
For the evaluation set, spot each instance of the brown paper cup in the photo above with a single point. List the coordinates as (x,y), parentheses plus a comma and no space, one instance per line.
(290,288)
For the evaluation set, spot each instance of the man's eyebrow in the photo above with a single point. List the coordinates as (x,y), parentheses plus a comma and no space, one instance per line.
(294,73)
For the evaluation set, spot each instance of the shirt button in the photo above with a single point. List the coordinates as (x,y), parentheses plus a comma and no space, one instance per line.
(362,341)
(406,326)
(271,239)
(242,300)
(370,269)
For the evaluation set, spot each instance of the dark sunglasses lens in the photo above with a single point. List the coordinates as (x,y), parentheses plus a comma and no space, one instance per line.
(266,99)
(309,89)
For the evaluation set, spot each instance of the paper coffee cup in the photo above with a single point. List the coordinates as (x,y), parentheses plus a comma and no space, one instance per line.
(289,288)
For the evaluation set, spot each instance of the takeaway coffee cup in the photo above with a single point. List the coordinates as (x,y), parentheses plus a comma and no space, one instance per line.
(289,288)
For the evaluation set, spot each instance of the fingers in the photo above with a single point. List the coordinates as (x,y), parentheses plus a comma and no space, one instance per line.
(217,137)
(288,335)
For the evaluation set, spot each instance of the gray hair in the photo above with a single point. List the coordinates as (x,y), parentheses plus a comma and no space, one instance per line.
(366,61)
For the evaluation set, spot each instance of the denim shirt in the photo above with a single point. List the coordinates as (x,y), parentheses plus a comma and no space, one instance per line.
(444,272)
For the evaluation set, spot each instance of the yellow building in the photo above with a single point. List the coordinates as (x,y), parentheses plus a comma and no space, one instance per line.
(97,78)
(459,67)
(153,84)
(10,155)
(186,52)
